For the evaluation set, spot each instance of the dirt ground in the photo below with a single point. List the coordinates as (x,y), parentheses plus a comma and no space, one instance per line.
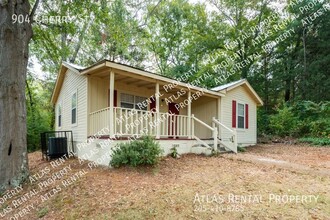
(265,182)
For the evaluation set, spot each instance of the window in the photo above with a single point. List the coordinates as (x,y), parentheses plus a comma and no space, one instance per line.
(59,113)
(131,101)
(139,103)
(126,100)
(74,108)
(240,115)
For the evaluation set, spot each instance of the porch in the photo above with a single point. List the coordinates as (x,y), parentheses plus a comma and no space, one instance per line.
(131,122)
(133,105)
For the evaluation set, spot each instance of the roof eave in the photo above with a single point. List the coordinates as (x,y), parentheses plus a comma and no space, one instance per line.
(59,81)
(245,82)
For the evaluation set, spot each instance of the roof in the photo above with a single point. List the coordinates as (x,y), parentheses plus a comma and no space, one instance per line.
(242,82)
(225,86)
(110,64)
(75,66)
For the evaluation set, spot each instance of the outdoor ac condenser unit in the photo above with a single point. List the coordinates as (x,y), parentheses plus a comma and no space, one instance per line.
(58,146)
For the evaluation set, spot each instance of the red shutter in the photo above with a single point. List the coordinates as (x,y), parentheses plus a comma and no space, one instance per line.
(153,104)
(246,116)
(114,98)
(234,114)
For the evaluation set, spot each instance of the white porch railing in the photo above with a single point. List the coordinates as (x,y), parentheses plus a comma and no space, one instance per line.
(129,122)
(98,120)
(214,133)
(172,125)
(232,144)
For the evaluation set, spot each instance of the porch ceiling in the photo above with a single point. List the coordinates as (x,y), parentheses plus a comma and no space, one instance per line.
(139,78)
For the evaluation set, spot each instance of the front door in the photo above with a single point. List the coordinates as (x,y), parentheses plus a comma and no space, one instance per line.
(172,121)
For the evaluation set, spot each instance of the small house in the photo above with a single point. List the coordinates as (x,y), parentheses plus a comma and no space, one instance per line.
(108,103)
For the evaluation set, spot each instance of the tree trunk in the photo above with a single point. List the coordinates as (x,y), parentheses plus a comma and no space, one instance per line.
(14,40)
(266,83)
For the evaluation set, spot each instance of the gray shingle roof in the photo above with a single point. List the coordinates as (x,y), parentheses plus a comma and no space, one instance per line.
(225,86)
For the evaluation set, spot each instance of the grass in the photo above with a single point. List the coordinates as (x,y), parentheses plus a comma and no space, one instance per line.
(42,212)
(316,141)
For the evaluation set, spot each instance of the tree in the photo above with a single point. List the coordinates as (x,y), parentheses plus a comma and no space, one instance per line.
(247,31)
(177,36)
(14,41)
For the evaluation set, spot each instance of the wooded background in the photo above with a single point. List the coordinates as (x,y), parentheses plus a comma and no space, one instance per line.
(281,47)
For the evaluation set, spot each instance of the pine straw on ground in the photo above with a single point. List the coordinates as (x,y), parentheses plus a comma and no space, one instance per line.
(171,189)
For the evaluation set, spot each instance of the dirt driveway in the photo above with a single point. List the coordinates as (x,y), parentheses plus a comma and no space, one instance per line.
(299,158)
(266,182)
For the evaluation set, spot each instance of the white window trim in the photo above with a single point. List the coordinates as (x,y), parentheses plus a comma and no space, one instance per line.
(241,103)
(75,124)
(60,103)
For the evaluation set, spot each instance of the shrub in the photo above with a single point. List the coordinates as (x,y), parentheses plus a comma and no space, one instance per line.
(138,152)
(313,118)
(320,128)
(174,152)
(284,123)
(315,141)
(304,118)
(263,122)
(240,148)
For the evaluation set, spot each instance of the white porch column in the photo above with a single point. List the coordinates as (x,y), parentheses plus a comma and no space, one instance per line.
(111,110)
(157,111)
(219,114)
(189,115)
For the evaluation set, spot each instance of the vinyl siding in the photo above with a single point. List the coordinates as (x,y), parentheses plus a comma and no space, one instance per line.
(99,89)
(241,95)
(204,108)
(73,82)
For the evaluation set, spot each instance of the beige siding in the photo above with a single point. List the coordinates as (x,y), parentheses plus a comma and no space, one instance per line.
(73,82)
(205,109)
(99,94)
(241,95)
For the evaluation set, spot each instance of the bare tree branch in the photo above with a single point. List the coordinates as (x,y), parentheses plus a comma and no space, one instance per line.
(34,9)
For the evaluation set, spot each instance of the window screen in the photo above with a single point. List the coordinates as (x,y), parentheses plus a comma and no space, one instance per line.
(74,108)
(240,115)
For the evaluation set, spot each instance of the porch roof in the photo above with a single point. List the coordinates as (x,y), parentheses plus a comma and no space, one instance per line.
(103,68)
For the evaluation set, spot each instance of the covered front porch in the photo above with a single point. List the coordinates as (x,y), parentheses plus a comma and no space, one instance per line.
(132,122)
(136,104)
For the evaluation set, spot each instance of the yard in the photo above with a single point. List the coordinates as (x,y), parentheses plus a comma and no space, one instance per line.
(266,182)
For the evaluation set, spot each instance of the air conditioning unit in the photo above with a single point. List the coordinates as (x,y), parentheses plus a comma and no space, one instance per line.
(57,147)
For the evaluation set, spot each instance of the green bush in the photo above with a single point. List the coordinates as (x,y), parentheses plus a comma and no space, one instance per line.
(320,128)
(174,152)
(138,152)
(240,148)
(304,118)
(284,123)
(263,122)
(314,119)
(315,141)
